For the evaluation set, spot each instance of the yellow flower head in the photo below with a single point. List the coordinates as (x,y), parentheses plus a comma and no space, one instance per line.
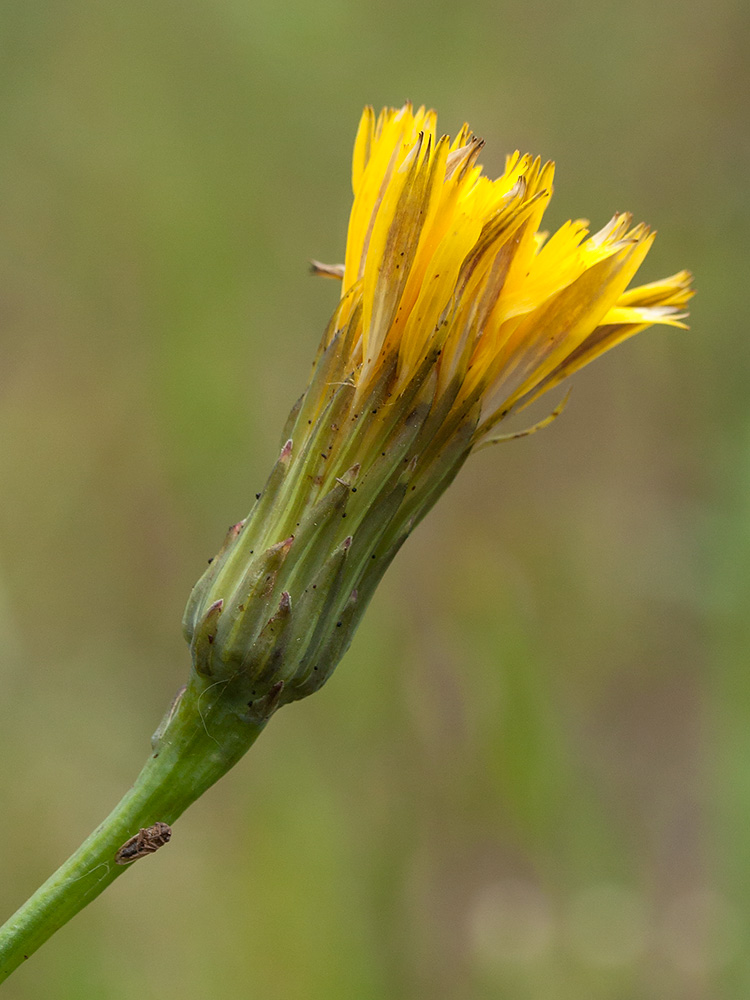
(441,258)
(455,310)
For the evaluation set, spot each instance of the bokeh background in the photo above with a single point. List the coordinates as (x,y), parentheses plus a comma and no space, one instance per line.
(530,778)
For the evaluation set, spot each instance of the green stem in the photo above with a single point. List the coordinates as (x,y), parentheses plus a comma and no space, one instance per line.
(202,741)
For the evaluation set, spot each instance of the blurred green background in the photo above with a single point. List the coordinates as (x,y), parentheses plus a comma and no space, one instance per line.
(530,778)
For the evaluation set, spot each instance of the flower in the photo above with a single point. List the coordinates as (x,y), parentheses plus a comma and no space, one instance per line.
(455,311)
(443,258)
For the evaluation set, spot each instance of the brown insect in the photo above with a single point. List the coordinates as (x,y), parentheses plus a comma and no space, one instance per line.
(144,842)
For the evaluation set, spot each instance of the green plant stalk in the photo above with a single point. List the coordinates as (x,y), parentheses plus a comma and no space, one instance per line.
(202,740)
(267,623)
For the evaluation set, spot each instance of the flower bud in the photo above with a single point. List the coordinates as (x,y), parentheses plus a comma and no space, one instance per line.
(455,312)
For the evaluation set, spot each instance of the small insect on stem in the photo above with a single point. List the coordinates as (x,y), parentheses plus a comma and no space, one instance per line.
(144,842)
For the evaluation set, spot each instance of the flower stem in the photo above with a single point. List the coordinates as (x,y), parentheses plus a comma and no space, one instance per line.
(204,738)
